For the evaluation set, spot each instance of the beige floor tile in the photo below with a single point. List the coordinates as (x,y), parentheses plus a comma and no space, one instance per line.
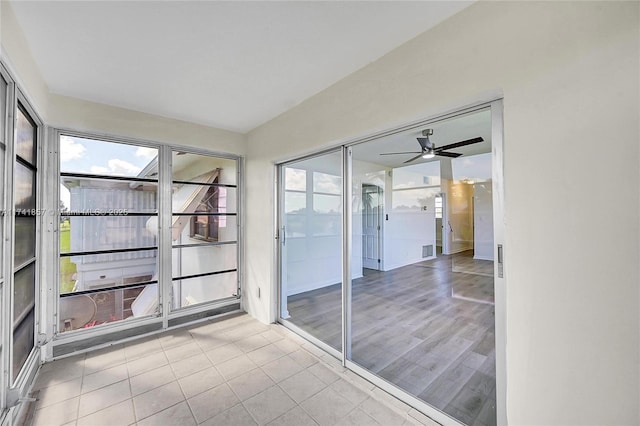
(350,392)
(103,359)
(294,417)
(421,418)
(209,340)
(357,417)
(236,416)
(272,336)
(183,351)
(57,414)
(303,358)
(324,373)
(121,414)
(269,405)
(60,392)
(235,367)
(157,400)
(201,381)
(151,379)
(381,413)
(177,415)
(327,407)
(266,354)
(104,397)
(287,345)
(282,368)
(190,365)
(102,378)
(140,348)
(252,343)
(175,338)
(249,384)
(212,402)
(223,353)
(302,386)
(56,372)
(149,362)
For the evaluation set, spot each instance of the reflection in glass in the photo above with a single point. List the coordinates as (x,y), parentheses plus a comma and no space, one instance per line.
(323,203)
(295,179)
(25,239)
(24,291)
(25,138)
(23,342)
(194,291)
(25,196)
(327,183)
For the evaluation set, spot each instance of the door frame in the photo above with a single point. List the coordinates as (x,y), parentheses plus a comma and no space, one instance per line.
(379,231)
(500,270)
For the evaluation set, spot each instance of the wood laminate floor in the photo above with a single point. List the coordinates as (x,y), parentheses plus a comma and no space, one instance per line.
(408,329)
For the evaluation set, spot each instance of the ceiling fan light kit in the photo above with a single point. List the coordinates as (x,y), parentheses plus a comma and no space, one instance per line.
(429,150)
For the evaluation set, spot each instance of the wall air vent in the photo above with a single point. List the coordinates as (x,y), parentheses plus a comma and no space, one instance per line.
(427,251)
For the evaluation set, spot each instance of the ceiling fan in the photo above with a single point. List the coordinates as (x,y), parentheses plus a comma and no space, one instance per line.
(429,149)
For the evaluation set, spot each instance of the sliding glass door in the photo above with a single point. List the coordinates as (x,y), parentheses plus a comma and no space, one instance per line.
(418,242)
(310,237)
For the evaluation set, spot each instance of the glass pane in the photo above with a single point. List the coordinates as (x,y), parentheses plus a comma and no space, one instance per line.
(203,259)
(91,196)
(295,179)
(24,286)
(91,310)
(90,156)
(192,229)
(327,203)
(295,202)
(422,296)
(203,168)
(25,188)
(326,183)
(25,239)
(201,198)
(79,273)
(93,233)
(311,253)
(25,138)
(417,175)
(23,338)
(193,291)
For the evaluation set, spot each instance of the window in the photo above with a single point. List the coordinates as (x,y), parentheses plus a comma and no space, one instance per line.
(108,232)
(25,224)
(438,207)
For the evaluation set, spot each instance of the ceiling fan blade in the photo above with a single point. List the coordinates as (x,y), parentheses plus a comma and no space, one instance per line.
(459,144)
(448,154)
(414,158)
(396,153)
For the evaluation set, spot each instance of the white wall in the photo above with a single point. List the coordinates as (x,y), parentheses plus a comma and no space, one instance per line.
(569,75)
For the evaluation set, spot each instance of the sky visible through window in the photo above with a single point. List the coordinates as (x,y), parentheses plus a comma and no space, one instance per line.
(79,155)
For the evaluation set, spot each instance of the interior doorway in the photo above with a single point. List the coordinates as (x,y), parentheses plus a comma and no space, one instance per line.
(372,207)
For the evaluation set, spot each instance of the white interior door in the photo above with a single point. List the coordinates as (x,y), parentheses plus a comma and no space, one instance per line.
(371,226)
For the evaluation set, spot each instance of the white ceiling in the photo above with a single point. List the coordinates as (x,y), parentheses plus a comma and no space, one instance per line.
(232,65)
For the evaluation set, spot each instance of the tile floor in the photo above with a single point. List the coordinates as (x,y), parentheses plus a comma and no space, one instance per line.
(232,372)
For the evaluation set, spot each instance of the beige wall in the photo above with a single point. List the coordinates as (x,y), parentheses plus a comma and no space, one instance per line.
(569,74)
